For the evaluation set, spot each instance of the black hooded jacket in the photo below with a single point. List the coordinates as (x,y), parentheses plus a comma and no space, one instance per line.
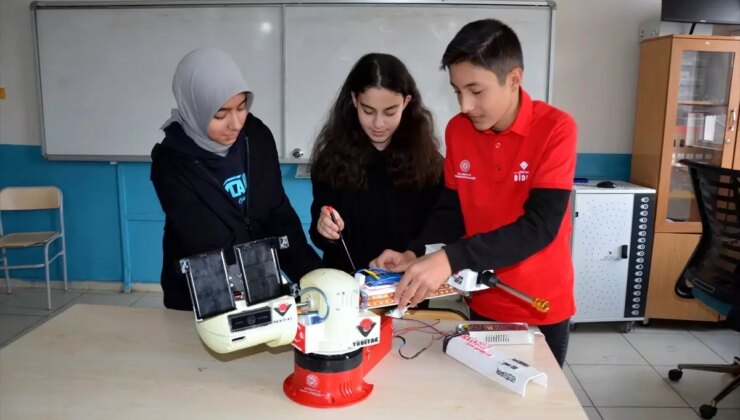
(201,216)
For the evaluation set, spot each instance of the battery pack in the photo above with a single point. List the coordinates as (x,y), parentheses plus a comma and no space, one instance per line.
(495,333)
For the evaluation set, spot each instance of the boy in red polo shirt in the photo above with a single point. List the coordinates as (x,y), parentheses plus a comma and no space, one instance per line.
(508,174)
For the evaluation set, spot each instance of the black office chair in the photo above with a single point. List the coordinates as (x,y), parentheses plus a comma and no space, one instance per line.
(712,274)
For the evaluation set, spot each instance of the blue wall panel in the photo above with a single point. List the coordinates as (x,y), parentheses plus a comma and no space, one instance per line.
(145,240)
(114,220)
(91,209)
(141,200)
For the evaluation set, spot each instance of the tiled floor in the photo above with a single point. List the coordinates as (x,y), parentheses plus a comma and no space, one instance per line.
(625,376)
(615,376)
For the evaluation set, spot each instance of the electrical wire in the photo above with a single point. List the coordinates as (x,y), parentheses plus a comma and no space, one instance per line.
(413,356)
(424,326)
(437,335)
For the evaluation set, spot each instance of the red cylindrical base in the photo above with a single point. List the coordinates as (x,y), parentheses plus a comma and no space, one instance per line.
(326,389)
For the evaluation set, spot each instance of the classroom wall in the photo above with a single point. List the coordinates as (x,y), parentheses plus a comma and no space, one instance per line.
(113,218)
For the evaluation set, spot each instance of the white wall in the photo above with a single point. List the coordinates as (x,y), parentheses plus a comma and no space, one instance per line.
(595,77)
(596,64)
(19,122)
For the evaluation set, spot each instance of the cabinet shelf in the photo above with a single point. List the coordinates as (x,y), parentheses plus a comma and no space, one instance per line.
(706,146)
(703,103)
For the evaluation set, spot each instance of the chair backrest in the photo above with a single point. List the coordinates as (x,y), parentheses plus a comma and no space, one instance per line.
(715,265)
(30,198)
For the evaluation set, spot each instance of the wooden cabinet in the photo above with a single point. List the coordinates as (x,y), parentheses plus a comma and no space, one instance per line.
(670,253)
(687,108)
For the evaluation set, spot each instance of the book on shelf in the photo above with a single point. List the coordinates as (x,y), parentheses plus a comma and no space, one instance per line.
(714,128)
(694,128)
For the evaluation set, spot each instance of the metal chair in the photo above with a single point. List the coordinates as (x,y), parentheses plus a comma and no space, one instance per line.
(28,199)
(712,274)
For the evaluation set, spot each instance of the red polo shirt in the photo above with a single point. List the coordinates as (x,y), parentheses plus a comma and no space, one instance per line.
(493,174)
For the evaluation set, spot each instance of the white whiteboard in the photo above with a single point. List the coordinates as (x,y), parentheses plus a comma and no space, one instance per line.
(318,61)
(105,72)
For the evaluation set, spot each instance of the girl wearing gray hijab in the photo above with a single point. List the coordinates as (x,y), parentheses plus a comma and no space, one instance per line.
(217,176)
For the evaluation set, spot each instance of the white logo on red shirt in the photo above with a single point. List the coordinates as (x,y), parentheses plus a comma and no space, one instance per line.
(464,170)
(523,174)
(465,166)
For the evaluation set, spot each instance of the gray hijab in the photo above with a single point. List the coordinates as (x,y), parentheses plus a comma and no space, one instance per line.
(204,81)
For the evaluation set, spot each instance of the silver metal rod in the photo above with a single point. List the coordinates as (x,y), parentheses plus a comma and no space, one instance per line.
(344,244)
(341,238)
(520,295)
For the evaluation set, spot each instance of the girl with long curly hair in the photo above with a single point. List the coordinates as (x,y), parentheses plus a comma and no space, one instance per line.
(375,165)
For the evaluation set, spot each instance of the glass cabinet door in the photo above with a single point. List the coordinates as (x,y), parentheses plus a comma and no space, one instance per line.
(703,114)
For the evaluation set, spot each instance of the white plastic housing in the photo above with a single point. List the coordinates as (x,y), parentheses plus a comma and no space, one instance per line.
(217,335)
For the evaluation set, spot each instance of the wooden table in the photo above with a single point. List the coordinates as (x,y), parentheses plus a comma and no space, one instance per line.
(108,362)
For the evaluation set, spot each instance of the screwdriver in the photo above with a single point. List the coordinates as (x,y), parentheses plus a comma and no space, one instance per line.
(490,279)
(344,244)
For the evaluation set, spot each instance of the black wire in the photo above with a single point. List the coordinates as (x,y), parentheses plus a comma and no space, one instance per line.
(415,354)
(428,325)
(441,333)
